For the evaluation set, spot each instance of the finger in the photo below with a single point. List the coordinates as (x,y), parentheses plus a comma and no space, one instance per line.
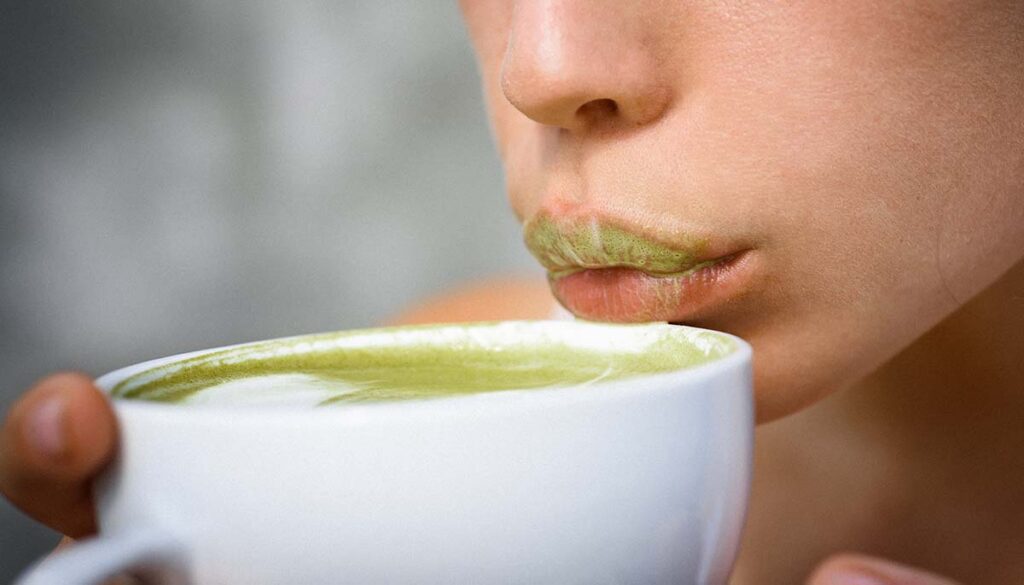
(53,442)
(852,569)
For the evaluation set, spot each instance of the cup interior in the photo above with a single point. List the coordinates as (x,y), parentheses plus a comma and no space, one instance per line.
(420,363)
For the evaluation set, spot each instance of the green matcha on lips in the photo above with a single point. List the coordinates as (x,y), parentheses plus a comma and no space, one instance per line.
(423,362)
(571,245)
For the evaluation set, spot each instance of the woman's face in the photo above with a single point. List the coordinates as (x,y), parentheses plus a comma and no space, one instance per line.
(825,179)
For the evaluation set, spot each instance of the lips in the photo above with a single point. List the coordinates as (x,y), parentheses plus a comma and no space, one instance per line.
(567,245)
(607,271)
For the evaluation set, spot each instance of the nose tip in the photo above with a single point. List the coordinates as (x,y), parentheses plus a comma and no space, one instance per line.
(576,74)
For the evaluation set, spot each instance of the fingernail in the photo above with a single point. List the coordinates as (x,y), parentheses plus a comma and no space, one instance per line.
(868,571)
(851,576)
(44,428)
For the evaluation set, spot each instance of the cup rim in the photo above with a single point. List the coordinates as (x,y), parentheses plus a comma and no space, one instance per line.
(502,399)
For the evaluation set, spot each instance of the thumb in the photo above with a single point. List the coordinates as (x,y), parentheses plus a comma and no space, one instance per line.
(852,569)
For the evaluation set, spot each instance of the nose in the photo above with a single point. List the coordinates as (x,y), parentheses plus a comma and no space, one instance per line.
(580,64)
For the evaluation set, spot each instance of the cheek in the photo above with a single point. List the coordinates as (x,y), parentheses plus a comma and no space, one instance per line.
(864,177)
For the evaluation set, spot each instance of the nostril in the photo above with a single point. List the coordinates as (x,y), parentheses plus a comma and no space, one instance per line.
(598,109)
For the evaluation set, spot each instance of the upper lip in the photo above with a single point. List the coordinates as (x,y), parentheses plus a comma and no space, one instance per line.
(565,245)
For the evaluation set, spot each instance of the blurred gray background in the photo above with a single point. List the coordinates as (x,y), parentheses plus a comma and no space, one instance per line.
(190,173)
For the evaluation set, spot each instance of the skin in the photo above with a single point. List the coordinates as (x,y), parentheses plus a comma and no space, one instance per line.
(868,158)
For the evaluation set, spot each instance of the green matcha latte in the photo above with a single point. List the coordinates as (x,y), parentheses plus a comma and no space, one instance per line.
(423,362)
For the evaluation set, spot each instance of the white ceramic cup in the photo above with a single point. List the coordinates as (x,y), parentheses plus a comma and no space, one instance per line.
(640,480)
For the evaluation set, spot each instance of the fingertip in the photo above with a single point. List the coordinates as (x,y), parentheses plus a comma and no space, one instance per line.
(63,428)
(68,380)
(92,427)
(857,569)
(54,440)
(834,569)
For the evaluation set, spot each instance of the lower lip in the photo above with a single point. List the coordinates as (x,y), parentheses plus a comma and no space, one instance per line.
(627,295)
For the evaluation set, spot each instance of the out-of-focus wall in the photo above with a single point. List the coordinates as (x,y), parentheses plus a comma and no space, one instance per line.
(189,173)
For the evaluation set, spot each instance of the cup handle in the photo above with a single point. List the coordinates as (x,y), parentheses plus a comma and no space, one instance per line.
(150,555)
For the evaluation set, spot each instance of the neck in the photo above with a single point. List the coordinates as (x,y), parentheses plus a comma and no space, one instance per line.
(958,389)
(922,462)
